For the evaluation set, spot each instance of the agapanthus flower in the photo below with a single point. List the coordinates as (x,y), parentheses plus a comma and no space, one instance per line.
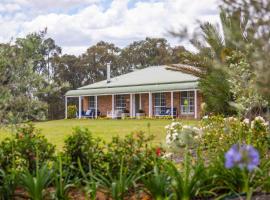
(242,156)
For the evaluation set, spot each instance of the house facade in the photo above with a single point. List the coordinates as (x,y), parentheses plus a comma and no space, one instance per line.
(152,92)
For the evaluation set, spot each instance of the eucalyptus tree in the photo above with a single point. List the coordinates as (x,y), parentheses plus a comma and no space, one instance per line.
(257,13)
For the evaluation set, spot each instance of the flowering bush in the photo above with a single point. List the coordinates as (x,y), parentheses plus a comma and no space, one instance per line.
(220,133)
(26,149)
(179,135)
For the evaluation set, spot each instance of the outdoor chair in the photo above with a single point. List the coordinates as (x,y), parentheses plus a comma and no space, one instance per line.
(166,112)
(114,115)
(91,113)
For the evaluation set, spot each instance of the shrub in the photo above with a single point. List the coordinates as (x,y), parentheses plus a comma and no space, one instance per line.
(81,146)
(71,111)
(135,151)
(219,134)
(32,146)
(25,148)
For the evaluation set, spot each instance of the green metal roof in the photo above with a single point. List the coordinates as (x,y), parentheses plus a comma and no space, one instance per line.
(151,79)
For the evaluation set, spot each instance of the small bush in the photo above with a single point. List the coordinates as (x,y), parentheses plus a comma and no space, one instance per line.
(25,149)
(134,149)
(81,146)
(71,111)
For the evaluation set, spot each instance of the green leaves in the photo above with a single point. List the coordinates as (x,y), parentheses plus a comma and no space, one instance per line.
(35,185)
(117,185)
(157,183)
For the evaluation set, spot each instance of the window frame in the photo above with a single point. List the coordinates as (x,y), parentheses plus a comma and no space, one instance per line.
(120,102)
(159,103)
(91,100)
(188,109)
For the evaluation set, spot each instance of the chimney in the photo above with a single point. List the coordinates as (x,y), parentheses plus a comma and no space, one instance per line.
(108,72)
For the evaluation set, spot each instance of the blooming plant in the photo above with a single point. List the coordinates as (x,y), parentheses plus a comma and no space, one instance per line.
(246,157)
(242,156)
(220,133)
(179,135)
(259,124)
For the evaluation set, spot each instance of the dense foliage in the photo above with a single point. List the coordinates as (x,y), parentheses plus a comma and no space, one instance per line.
(71,111)
(221,157)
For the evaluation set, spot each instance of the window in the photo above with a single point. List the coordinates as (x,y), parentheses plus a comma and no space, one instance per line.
(187,102)
(160,103)
(92,102)
(120,102)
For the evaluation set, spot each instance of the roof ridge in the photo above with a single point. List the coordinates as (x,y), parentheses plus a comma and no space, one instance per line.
(149,84)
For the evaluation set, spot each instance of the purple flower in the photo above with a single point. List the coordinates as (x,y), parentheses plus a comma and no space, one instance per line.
(242,156)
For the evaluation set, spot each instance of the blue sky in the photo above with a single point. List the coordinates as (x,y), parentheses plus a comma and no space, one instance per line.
(78,24)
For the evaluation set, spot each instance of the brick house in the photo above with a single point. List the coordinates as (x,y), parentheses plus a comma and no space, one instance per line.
(154,91)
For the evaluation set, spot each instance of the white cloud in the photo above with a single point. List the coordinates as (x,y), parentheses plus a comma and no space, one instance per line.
(119,23)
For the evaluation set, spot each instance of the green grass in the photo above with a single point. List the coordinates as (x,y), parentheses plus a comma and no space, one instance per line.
(58,130)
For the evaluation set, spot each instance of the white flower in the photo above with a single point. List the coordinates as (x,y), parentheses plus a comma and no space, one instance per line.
(205,117)
(230,119)
(187,127)
(259,118)
(174,124)
(246,121)
(167,127)
(168,139)
(174,136)
(167,155)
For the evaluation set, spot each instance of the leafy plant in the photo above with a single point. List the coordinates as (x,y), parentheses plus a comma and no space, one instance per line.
(35,185)
(134,149)
(82,146)
(157,183)
(191,182)
(228,182)
(118,184)
(71,111)
(61,181)
(29,142)
(7,183)
(20,151)
(91,184)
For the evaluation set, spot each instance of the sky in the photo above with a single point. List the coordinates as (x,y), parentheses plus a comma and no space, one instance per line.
(75,25)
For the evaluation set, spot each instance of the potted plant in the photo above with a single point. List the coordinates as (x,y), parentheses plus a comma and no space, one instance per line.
(140,114)
(125,114)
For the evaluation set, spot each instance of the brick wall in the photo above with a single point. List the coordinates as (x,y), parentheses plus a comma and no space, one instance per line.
(104,104)
(145,103)
(85,101)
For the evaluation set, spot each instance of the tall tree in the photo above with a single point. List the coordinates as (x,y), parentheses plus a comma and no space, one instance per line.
(20,82)
(144,53)
(96,58)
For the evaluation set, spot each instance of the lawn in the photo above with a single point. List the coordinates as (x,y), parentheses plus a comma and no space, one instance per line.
(57,131)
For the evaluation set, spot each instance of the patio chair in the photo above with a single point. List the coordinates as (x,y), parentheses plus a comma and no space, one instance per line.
(91,113)
(114,115)
(167,112)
